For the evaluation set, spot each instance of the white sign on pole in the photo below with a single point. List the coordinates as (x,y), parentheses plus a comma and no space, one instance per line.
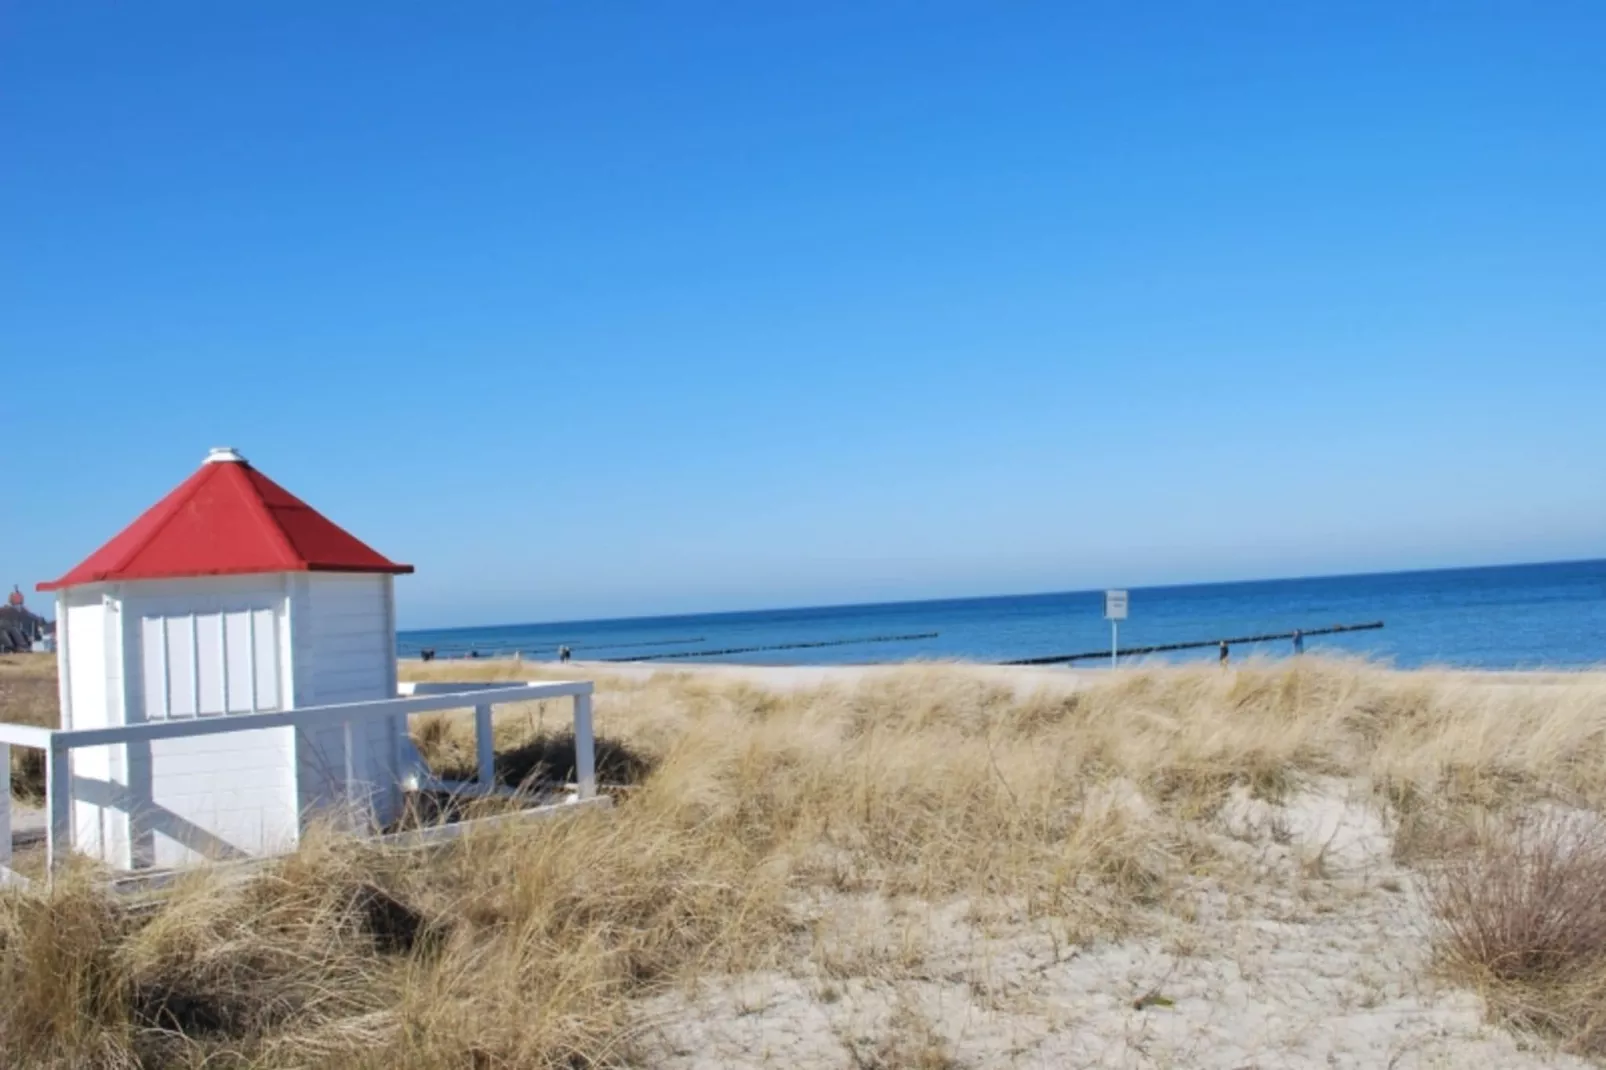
(1115,612)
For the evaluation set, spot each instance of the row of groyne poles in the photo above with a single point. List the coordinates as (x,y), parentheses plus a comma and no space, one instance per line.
(1297,637)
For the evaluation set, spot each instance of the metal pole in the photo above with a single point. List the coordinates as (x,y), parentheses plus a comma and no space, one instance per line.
(1115,631)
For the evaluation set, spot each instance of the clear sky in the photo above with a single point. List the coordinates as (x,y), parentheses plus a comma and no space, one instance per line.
(595,309)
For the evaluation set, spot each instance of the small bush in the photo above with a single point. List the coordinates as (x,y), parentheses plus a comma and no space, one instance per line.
(1524,913)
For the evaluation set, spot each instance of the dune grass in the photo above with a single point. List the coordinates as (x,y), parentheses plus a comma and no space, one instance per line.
(28,696)
(532,946)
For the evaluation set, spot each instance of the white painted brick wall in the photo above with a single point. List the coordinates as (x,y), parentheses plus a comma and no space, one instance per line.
(237,790)
(345,656)
(93,700)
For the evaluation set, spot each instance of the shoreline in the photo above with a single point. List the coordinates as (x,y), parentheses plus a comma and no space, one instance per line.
(1021,678)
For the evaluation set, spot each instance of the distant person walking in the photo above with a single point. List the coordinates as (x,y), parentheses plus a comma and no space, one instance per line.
(1223,652)
(1299,641)
(563,653)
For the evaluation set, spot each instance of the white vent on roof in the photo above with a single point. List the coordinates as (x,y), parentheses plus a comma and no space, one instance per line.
(221,454)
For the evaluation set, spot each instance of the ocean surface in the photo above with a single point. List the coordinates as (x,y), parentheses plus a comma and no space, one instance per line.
(1508,617)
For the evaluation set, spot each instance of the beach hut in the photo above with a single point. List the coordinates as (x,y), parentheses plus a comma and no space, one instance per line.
(229,596)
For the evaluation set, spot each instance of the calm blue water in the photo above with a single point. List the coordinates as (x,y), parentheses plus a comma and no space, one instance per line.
(1521,616)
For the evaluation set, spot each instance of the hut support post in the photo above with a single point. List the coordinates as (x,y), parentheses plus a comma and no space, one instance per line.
(58,796)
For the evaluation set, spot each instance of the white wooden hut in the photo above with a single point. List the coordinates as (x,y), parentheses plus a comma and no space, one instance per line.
(228,596)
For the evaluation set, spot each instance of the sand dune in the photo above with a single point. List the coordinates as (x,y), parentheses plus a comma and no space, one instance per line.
(930,866)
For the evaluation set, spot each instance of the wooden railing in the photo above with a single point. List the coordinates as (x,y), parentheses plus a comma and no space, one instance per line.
(58,745)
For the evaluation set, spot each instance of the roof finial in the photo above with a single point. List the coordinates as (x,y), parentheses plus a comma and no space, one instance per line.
(15,597)
(224,454)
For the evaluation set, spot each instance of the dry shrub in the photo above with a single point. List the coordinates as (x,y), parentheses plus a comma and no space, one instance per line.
(1523,916)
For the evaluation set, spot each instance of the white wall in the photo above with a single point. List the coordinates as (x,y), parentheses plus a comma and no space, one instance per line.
(208,647)
(345,652)
(89,646)
(217,796)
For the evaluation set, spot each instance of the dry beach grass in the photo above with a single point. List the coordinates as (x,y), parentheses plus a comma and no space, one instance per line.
(1284,864)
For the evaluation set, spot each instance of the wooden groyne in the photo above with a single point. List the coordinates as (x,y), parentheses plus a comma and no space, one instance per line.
(467,650)
(778,646)
(1221,644)
(633,645)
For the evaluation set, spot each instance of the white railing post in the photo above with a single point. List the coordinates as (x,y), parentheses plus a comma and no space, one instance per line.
(5,804)
(585,756)
(485,748)
(58,798)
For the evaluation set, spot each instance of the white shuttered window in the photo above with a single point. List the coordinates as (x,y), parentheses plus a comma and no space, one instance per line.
(211,663)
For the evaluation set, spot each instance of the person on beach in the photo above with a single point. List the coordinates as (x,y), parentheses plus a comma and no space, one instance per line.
(1223,652)
(563,653)
(1299,641)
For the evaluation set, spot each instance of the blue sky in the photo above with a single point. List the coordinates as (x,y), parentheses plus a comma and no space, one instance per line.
(600,309)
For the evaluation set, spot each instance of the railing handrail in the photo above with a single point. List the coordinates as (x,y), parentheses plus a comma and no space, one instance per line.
(210,724)
(25,735)
(58,743)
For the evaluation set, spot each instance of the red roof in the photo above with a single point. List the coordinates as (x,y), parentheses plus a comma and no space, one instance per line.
(227,519)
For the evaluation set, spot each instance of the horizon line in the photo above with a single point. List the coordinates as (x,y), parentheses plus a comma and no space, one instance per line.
(986,597)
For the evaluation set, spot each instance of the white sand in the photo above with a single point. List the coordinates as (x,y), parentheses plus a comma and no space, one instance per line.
(1024,678)
(1318,962)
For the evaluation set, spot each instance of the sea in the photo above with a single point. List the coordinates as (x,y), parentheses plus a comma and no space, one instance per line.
(1542,616)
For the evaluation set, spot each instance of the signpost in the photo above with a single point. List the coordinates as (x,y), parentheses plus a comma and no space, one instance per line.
(1115,613)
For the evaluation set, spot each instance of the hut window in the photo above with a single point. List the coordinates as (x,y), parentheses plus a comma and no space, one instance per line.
(207,664)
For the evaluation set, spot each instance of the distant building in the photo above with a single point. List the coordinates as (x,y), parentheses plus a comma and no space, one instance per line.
(20,629)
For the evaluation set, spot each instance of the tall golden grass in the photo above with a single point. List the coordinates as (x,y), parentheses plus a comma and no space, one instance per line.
(531,946)
(28,696)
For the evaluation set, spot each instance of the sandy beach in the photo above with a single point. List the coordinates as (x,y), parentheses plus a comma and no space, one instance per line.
(1022,679)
